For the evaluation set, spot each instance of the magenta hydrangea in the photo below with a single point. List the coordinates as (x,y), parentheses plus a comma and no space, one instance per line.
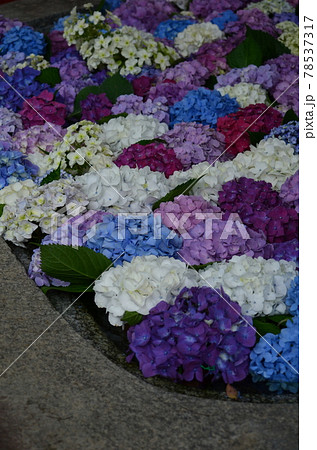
(155,155)
(41,108)
(95,106)
(202,334)
(194,143)
(290,191)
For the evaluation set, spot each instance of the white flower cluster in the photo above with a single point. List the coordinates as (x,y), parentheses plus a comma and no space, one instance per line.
(194,36)
(259,285)
(125,49)
(123,189)
(272,161)
(290,36)
(37,62)
(245,93)
(272,6)
(141,284)
(82,146)
(29,206)
(121,132)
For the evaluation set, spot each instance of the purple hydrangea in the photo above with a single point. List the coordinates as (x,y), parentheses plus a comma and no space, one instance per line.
(172,91)
(202,8)
(290,191)
(10,122)
(95,107)
(71,68)
(265,75)
(289,251)
(6,24)
(133,104)
(67,91)
(285,17)
(192,73)
(38,137)
(203,334)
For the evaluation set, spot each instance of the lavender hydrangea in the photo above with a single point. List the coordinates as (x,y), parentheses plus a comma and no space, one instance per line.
(14,166)
(289,133)
(10,123)
(290,191)
(266,76)
(38,137)
(289,251)
(202,106)
(201,8)
(95,106)
(133,104)
(203,333)
(23,39)
(122,238)
(71,68)
(284,16)
(192,73)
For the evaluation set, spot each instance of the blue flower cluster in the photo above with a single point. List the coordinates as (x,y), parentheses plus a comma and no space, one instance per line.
(202,333)
(202,106)
(23,39)
(288,133)
(280,372)
(169,29)
(224,18)
(23,80)
(130,237)
(110,5)
(14,166)
(59,24)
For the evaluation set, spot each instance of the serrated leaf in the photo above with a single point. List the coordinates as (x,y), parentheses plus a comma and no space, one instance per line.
(256,136)
(271,47)
(2,205)
(80,266)
(289,116)
(202,266)
(132,317)
(54,175)
(115,86)
(246,53)
(210,82)
(50,75)
(72,288)
(182,189)
(111,116)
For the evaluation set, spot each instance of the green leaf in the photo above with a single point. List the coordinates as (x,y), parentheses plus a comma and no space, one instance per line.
(54,175)
(246,53)
(82,95)
(2,205)
(280,318)
(265,327)
(132,318)
(289,116)
(210,82)
(111,116)
(72,288)
(80,266)
(202,266)
(256,137)
(115,86)
(50,75)
(150,141)
(182,189)
(271,47)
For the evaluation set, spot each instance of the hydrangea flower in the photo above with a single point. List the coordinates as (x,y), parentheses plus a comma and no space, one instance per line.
(71,68)
(224,18)
(287,250)
(292,298)
(6,24)
(191,73)
(58,42)
(194,143)
(10,122)
(288,132)
(95,107)
(245,93)
(194,36)
(203,328)
(41,108)
(289,36)
(66,91)
(23,39)
(133,104)
(13,165)
(259,285)
(202,8)
(141,85)
(272,6)
(283,17)
(169,29)
(266,76)
(290,191)
(12,61)
(136,236)
(141,284)
(254,118)
(255,19)
(279,372)
(203,106)
(154,155)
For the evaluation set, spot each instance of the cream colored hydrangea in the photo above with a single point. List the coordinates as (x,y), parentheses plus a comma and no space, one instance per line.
(290,36)
(194,36)
(245,93)
(272,6)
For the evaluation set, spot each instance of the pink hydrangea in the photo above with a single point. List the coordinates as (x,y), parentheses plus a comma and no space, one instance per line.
(41,108)
(155,155)
(290,191)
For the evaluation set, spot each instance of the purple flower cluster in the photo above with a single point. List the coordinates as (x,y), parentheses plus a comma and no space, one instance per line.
(38,137)
(255,19)
(194,338)
(290,191)
(71,68)
(194,143)
(10,123)
(95,107)
(265,75)
(283,17)
(169,89)
(212,55)
(67,91)
(13,165)
(6,24)
(289,133)
(289,251)
(192,73)
(202,8)
(133,104)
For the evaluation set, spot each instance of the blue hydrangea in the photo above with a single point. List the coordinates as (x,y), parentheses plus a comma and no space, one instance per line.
(23,39)
(169,29)
(202,106)
(133,237)
(280,373)
(224,18)
(59,24)
(23,80)
(14,166)
(292,298)
(110,5)
(288,133)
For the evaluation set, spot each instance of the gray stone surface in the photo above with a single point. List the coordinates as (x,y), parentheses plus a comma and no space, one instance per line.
(65,394)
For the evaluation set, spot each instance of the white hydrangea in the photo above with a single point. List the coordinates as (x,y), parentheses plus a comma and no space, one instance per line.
(194,36)
(29,206)
(245,93)
(142,284)
(81,148)
(121,132)
(123,189)
(259,285)
(290,36)
(272,6)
